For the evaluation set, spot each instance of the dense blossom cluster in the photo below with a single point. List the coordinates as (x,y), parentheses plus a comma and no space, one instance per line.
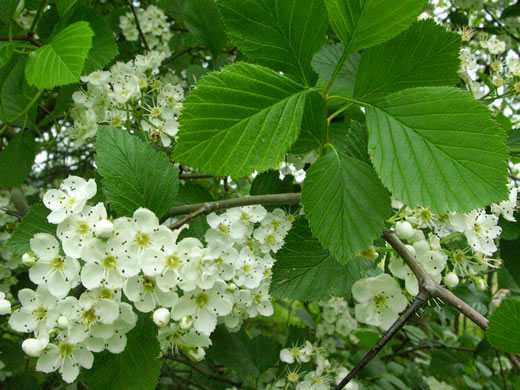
(154,25)
(82,275)
(131,92)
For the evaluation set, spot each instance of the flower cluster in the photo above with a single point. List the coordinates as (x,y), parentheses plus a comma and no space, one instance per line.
(336,323)
(187,285)
(127,94)
(154,25)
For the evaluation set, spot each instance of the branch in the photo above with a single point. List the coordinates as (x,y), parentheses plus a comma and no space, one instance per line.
(206,374)
(20,201)
(194,176)
(138,25)
(420,300)
(25,38)
(209,207)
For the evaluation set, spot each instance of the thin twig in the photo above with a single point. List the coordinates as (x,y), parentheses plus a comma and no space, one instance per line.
(428,346)
(272,199)
(25,38)
(189,217)
(206,374)
(138,25)
(501,370)
(195,176)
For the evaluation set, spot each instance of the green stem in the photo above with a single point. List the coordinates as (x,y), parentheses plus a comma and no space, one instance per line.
(25,110)
(342,109)
(42,6)
(452,237)
(336,71)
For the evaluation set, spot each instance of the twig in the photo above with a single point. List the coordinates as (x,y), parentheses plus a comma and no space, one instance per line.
(272,199)
(194,176)
(428,346)
(20,201)
(189,217)
(207,374)
(501,370)
(420,300)
(25,38)
(138,25)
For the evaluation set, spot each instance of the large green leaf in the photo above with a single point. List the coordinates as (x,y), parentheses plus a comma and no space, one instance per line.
(17,159)
(439,148)
(201,18)
(504,326)
(357,142)
(510,253)
(6,51)
(281,34)
(241,119)
(61,61)
(136,368)
(424,55)
(364,23)
(7,10)
(345,203)
(324,63)
(314,125)
(104,48)
(16,94)
(134,174)
(248,357)
(34,222)
(304,270)
(64,6)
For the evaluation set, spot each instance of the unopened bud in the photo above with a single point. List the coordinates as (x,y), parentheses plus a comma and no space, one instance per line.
(451,280)
(33,347)
(161,317)
(404,230)
(5,306)
(29,260)
(63,322)
(104,228)
(480,284)
(186,322)
(197,353)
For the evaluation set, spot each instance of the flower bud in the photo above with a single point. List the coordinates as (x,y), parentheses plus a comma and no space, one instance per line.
(29,260)
(104,228)
(451,280)
(186,322)
(480,284)
(404,230)
(33,347)
(5,306)
(63,322)
(161,317)
(197,353)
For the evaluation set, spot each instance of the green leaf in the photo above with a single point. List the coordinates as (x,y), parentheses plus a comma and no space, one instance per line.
(314,125)
(134,174)
(16,94)
(7,10)
(201,18)
(6,52)
(241,119)
(324,63)
(61,61)
(34,222)
(64,6)
(136,368)
(439,148)
(104,48)
(345,203)
(281,34)
(304,270)
(424,55)
(364,23)
(511,11)
(22,381)
(17,159)
(357,142)
(269,183)
(509,251)
(503,332)
(11,354)
(247,357)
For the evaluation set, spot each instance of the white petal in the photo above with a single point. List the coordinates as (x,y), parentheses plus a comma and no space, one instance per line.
(49,360)
(69,371)
(91,275)
(146,219)
(205,322)
(45,246)
(83,356)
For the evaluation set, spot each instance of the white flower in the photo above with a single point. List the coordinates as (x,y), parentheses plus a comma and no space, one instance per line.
(37,313)
(146,295)
(204,306)
(431,256)
(99,77)
(227,227)
(480,230)
(399,269)
(260,302)
(247,271)
(69,199)
(299,354)
(66,358)
(58,273)
(5,305)
(380,300)
(507,207)
(494,45)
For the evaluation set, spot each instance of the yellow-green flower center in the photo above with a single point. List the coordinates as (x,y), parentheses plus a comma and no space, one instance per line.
(155,112)
(202,299)
(65,350)
(477,228)
(379,300)
(83,228)
(57,263)
(142,239)
(173,262)
(40,313)
(223,229)
(148,284)
(89,317)
(270,239)
(110,262)
(295,351)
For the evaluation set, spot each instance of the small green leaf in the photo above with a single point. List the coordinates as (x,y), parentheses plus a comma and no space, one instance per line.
(439,148)
(61,61)
(241,119)
(104,48)
(247,357)
(6,52)
(64,6)
(364,23)
(324,63)
(503,332)
(134,174)
(424,55)
(34,222)
(281,34)
(7,10)
(345,203)
(304,270)
(136,368)
(17,159)
(201,18)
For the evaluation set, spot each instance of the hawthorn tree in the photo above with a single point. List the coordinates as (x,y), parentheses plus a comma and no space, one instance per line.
(259,194)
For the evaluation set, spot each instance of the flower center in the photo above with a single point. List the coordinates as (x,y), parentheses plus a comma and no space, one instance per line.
(40,313)
(106,293)
(202,299)
(270,239)
(148,284)
(116,121)
(65,350)
(245,217)
(295,351)
(70,203)
(173,262)
(477,228)
(83,228)
(155,112)
(379,300)
(459,256)
(293,377)
(223,229)
(157,84)
(143,239)
(110,262)
(89,317)
(425,215)
(57,263)
(246,268)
